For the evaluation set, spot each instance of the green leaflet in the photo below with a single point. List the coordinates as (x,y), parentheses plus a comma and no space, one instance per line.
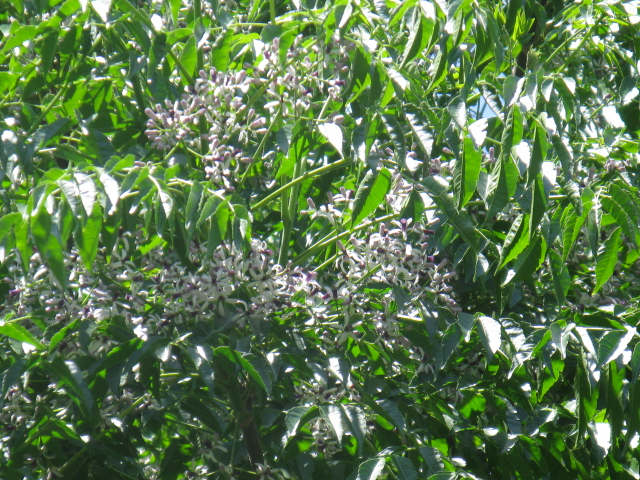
(388,409)
(294,417)
(586,396)
(406,470)
(607,259)
(370,195)
(358,140)
(424,138)
(356,422)
(189,56)
(517,240)
(571,225)
(254,366)
(560,276)
(633,421)
(502,185)
(613,344)
(220,50)
(19,333)
(370,469)
(333,133)
(7,222)
(193,202)
(437,187)
(439,68)
(458,111)
(467,173)
(538,153)
(620,215)
(69,374)
(87,190)
(41,228)
(88,235)
(629,208)
(397,137)
(332,414)
(490,333)
(566,161)
(360,77)
(538,205)
(528,261)
(419,37)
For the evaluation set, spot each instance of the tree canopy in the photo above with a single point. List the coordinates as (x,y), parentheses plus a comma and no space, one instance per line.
(352,239)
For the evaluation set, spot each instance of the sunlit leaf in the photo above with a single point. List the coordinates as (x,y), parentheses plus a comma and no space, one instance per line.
(370,194)
(607,259)
(490,333)
(370,469)
(333,133)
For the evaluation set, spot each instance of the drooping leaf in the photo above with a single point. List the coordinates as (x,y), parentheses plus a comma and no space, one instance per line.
(490,332)
(607,259)
(252,365)
(613,344)
(332,414)
(293,418)
(437,188)
(7,222)
(466,321)
(564,155)
(70,376)
(189,56)
(41,228)
(478,132)
(528,262)
(220,50)
(424,138)
(356,421)
(405,467)
(333,133)
(392,413)
(571,225)
(560,276)
(397,137)
(71,193)
(458,111)
(88,192)
(467,173)
(88,235)
(19,333)
(370,469)
(193,202)
(370,195)
(517,240)
(538,154)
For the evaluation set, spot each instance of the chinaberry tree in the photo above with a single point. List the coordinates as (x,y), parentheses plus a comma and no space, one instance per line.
(351,239)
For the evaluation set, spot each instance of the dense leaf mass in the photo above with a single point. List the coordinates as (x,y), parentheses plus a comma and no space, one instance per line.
(352,239)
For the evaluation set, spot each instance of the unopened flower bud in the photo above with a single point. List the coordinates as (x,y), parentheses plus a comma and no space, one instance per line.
(151,114)
(450,275)
(259,122)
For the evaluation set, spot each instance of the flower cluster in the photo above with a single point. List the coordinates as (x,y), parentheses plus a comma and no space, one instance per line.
(388,255)
(217,102)
(291,90)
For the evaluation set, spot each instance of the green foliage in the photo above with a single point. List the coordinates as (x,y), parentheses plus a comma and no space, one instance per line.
(351,239)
